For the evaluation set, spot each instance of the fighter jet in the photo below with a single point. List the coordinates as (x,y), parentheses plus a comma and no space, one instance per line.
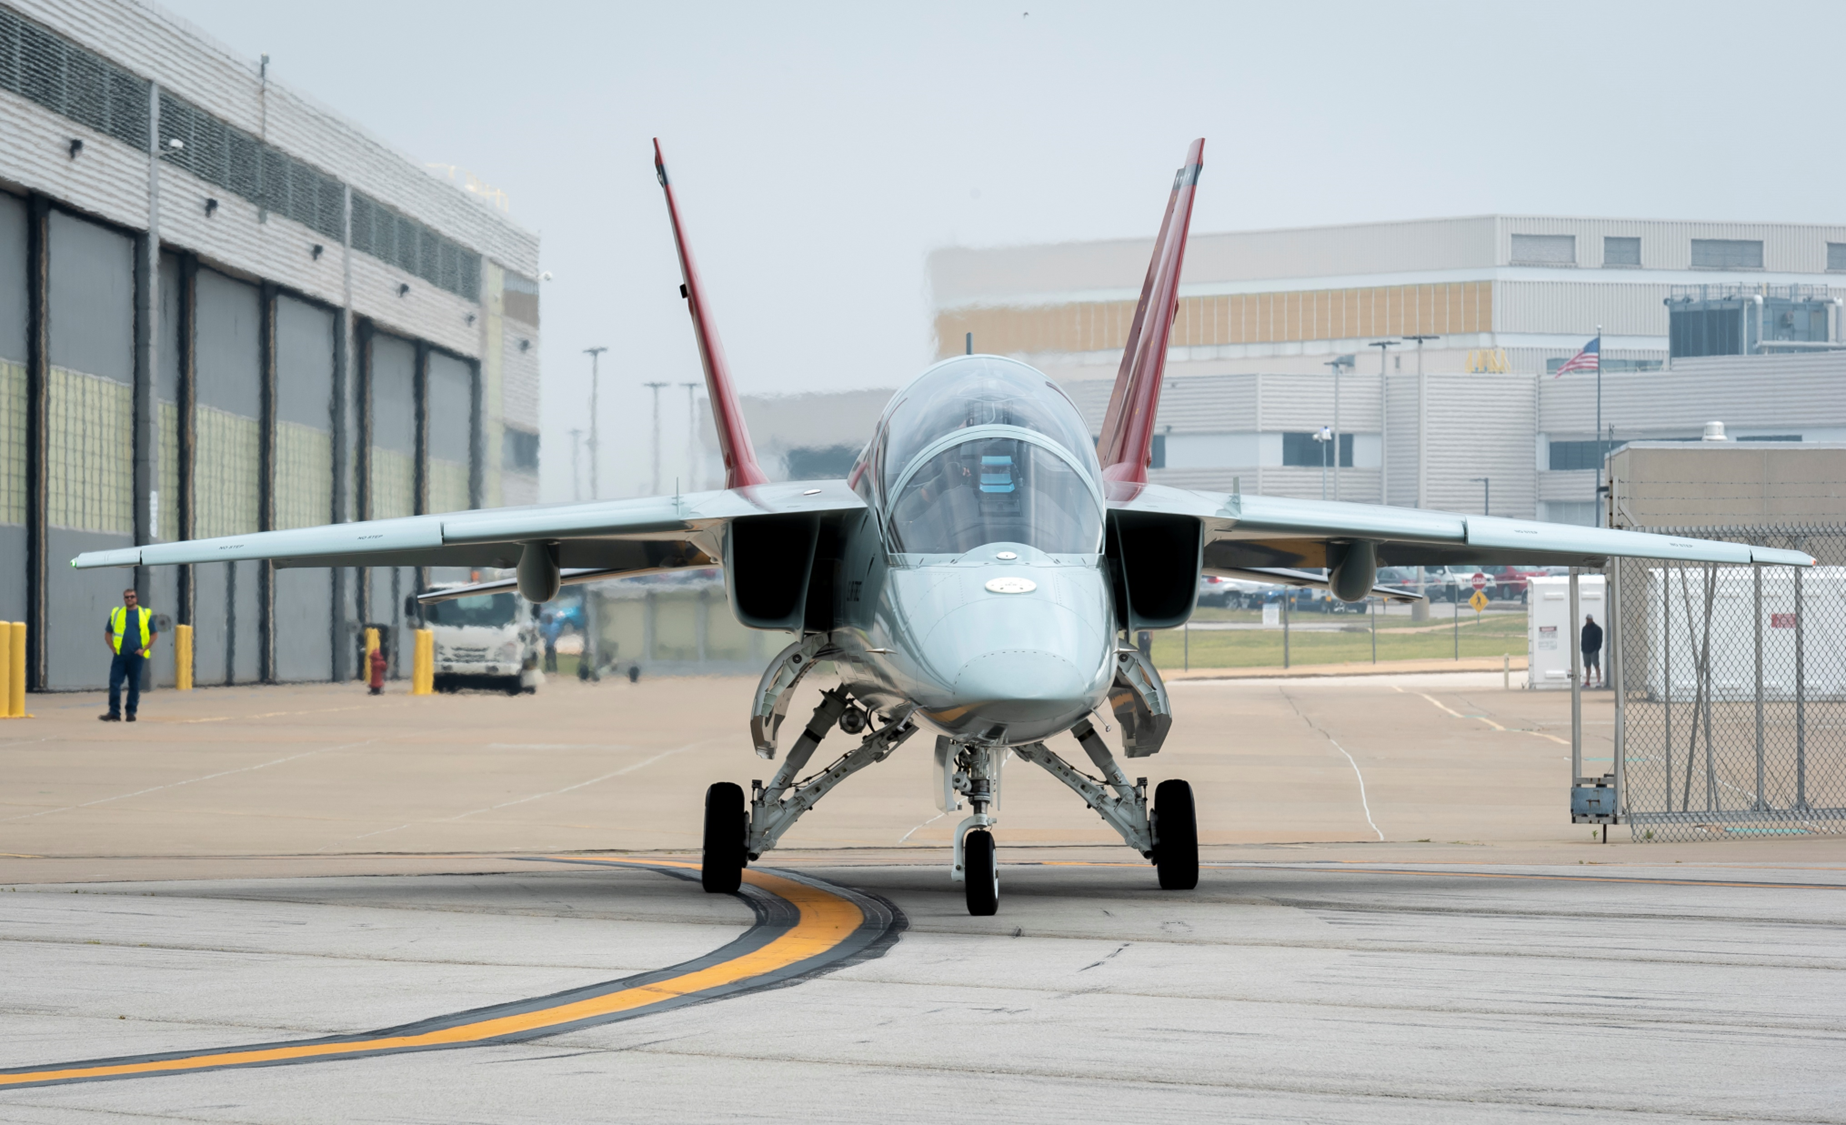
(976,576)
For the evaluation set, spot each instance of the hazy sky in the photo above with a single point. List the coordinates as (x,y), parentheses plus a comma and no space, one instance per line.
(821,151)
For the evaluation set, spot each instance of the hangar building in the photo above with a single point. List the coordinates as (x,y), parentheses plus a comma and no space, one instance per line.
(225,309)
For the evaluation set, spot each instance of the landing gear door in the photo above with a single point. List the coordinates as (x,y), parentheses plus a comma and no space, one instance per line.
(1139,699)
(946,799)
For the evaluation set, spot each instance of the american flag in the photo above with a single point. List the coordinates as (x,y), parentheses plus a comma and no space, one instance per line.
(1585,360)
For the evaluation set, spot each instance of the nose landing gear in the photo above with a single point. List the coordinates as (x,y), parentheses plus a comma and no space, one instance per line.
(981,873)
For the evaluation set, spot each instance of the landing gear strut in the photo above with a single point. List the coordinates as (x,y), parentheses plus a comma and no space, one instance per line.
(736,832)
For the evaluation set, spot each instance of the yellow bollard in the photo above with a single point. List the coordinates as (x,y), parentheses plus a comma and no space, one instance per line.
(182,657)
(423,664)
(6,670)
(371,646)
(16,673)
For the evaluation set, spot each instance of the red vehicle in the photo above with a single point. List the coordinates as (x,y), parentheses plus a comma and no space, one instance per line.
(1512,583)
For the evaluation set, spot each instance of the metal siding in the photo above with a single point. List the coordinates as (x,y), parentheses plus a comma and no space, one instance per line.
(1400,443)
(1481,425)
(108,179)
(965,276)
(304,398)
(1791,393)
(520,383)
(1578,305)
(148,41)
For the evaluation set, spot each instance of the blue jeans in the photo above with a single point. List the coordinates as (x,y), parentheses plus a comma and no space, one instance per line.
(125,666)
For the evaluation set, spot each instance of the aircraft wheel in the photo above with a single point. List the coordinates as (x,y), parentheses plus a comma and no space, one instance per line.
(982,873)
(726,834)
(1176,832)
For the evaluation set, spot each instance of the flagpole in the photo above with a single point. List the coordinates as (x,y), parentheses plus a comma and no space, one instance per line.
(1601,450)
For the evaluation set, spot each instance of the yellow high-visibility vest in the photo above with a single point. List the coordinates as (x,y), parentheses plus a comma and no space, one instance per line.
(118,624)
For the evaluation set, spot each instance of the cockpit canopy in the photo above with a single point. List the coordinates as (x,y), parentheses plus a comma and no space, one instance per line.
(1026,472)
(977,390)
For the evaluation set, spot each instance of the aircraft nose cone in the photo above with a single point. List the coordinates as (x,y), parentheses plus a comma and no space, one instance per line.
(1023,688)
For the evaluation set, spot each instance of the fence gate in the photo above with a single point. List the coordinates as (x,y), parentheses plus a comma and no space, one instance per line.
(1731,690)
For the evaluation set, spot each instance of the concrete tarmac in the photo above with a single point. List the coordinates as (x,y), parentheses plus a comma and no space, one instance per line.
(1396,923)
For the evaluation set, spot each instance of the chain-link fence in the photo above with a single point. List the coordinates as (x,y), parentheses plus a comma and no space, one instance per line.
(1733,711)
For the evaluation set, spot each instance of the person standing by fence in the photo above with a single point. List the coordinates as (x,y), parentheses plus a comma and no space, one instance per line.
(129,632)
(1591,648)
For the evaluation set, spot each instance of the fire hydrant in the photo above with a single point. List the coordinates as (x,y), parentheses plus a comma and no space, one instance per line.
(377,678)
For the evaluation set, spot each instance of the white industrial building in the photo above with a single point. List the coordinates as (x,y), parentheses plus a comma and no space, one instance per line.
(1277,332)
(225,309)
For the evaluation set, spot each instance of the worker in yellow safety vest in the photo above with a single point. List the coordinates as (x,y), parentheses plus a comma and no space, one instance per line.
(130,636)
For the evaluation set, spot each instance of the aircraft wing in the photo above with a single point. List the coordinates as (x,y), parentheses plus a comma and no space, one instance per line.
(1244,533)
(613,536)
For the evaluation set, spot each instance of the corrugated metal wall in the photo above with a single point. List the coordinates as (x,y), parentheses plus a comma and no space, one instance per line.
(1799,391)
(1481,426)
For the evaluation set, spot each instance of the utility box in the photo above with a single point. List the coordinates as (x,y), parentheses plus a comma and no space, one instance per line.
(1550,636)
(1693,616)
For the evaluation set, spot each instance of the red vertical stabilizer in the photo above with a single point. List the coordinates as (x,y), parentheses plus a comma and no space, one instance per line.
(1127,440)
(740,467)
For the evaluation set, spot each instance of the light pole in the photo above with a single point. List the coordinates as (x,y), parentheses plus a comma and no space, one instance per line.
(1323,436)
(655,387)
(1422,424)
(595,447)
(1336,363)
(1384,346)
(692,436)
(1486,494)
(576,467)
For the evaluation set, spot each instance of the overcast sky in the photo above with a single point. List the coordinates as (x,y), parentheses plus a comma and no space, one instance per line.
(821,151)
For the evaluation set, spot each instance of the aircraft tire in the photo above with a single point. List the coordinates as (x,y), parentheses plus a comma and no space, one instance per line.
(726,835)
(1176,828)
(982,873)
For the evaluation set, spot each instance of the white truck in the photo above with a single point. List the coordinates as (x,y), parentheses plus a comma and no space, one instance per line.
(485,641)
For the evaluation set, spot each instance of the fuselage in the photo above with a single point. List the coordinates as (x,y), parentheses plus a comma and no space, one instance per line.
(974,585)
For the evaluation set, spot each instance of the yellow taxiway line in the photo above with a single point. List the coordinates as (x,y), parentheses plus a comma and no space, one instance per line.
(828,925)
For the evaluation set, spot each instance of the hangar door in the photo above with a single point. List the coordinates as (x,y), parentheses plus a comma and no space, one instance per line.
(305,342)
(90,315)
(391,378)
(12,408)
(228,396)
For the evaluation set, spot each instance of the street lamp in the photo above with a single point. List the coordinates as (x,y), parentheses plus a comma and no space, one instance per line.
(655,387)
(1337,363)
(1486,494)
(595,448)
(1422,424)
(1323,436)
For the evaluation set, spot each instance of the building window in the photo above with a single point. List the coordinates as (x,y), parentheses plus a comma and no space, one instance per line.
(1302,451)
(1568,456)
(1544,249)
(1836,256)
(519,451)
(1157,452)
(1727,254)
(1621,252)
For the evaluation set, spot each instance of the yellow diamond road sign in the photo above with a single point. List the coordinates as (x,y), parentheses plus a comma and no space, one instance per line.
(1478,601)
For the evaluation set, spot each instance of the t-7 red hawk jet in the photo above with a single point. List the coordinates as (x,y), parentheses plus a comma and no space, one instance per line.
(976,575)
